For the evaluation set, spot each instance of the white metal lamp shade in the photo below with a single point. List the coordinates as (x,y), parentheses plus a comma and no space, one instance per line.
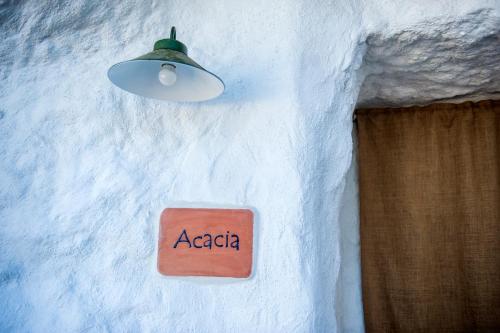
(167,73)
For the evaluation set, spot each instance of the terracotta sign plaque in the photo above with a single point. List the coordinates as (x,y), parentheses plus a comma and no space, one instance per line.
(206,242)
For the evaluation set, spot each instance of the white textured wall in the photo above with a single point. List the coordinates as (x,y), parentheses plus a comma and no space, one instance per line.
(86,169)
(439,60)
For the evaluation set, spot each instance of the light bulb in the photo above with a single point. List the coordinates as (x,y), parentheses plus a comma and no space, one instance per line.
(167,75)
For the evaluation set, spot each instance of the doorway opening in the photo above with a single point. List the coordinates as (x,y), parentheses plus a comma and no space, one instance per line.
(429,201)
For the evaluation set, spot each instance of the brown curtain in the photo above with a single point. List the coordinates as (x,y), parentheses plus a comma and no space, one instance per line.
(430,217)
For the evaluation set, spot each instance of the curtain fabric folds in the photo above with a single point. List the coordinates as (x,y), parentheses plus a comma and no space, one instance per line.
(430,217)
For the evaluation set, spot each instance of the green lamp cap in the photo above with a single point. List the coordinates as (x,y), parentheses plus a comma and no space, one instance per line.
(171,43)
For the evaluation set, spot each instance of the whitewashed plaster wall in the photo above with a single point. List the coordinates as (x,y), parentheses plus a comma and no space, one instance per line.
(86,168)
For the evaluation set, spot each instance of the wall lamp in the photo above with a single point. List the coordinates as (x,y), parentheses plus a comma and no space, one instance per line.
(166,73)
